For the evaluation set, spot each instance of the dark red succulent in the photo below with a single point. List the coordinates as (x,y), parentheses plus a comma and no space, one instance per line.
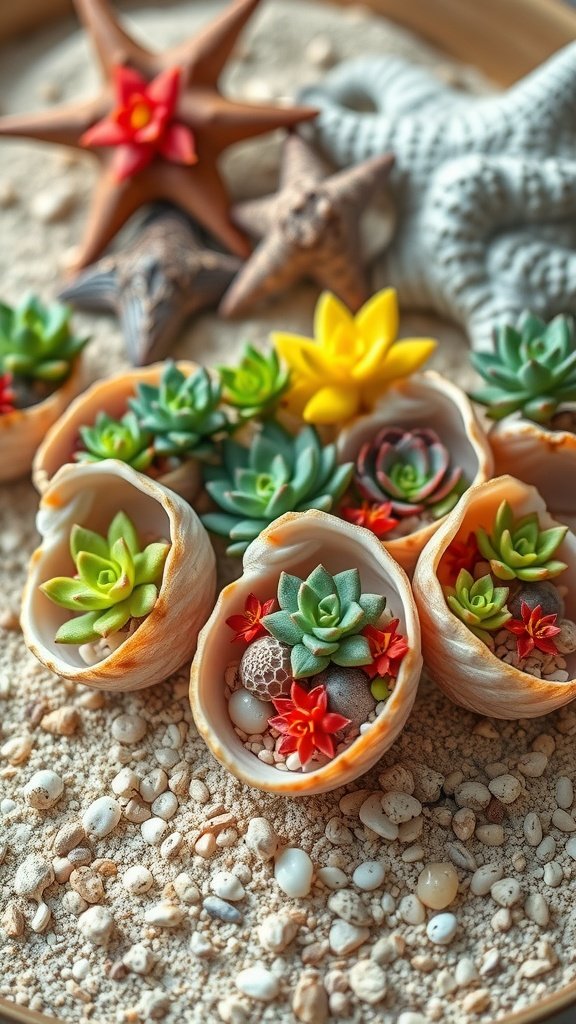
(534,630)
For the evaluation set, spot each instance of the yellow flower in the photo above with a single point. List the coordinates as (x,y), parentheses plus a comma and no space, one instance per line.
(351,360)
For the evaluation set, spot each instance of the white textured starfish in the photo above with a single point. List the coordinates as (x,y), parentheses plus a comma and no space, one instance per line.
(484,187)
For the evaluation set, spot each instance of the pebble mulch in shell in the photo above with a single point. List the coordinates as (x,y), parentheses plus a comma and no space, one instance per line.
(138,880)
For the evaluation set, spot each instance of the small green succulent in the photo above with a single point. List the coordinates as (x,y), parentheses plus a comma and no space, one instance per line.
(278,473)
(116,439)
(532,371)
(256,384)
(36,341)
(115,581)
(183,413)
(322,617)
(478,603)
(519,549)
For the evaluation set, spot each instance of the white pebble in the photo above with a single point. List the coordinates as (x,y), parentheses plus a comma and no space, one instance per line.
(441,929)
(533,765)
(369,875)
(96,924)
(32,876)
(139,959)
(333,878)
(484,878)
(153,784)
(397,777)
(227,886)
(553,874)
(466,972)
(412,854)
(44,789)
(128,728)
(258,982)
(563,821)
(186,889)
(153,830)
(490,835)
(472,794)
(276,932)
(125,783)
(564,792)
(137,880)
(293,871)
(506,788)
(54,205)
(411,910)
(400,807)
(170,847)
(536,909)
(546,850)
(372,815)
(368,981)
(506,892)
(408,1017)
(261,839)
(41,918)
(165,915)
(571,848)
(532,829)
(165,805)
(343,938)
(248,712)
(101,817)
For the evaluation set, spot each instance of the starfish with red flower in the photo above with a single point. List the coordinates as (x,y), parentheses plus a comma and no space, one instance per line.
(374,517)
(387,648)
(534,630)
(305,723)
(248,625)
(6,394)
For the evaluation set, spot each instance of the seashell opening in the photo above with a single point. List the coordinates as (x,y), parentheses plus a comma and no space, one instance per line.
(297,543)
(544,458)
(460,663)
(90,495)
(110,396)
(425,400)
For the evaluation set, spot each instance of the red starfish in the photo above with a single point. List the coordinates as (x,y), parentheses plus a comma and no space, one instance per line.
(306,723)
(372,516)
(214,122)
(387,648)
(249,626)
(534,630)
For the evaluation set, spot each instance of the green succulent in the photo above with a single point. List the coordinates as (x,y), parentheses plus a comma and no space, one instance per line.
(256,384)
(181,412)
(278,473)
(36,341)
(117,439)
(519,549)
(478,603)
(115,582)
(532,371)
(321,618)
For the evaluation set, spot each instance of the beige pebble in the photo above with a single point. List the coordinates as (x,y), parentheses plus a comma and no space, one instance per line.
(506,788)
(398,778)
(153,785)
(428,784)
(101,817)
(179,782)
(128,729)
(400,807)
(545,743)
(171,846)
(533,968)
(338,833)
(164,915)
(136,811)
(389,948)
(461,856)
(205,846)
(351,803)
(408,831)
(310,999)
(506,892)
(125,783)
(91,700)
(464,823)
(491,963)
(411,909)
(564,792)
(137,879)
(332,877)
(12,921)
(553,874)
(437,885)
(502,920)
(63,721)
(261,839)
(96,924)
(88,884)
(486,729)
(533,765)
(344,938)
(563,821)
(41,918)
(17,749)
(546,850)
(536,909)
(153,830)
(472,794)
(412,854)
(199,791)
(276,932)
(484,878)
(465,972)
(532,827)
(372,815)
(495,768)
(490,835)
(348,905)
(63,868)
(476,1002)
(54,204)
(368,981)
(139,959)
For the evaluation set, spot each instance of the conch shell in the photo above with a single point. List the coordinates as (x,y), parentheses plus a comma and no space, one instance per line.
(460,663)
(22,431)
(91,495)
(297,542)
(110,396)
(542,457)
(425,400)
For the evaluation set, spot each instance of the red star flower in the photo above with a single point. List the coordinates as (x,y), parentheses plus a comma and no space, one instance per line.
(248,626)
(387,648)
(375,517)
(6,394)
(534,630)
(461,554)
(306,723)
(142,123)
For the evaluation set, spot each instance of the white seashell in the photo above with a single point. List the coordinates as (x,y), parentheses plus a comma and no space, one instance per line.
(426,399)
(541,457)
(23,430)
(297,543)
(91,495)
(110,396)
(460,663)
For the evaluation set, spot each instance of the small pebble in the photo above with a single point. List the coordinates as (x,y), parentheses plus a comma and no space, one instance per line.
(472,794)
(411,909)
(139,959)
(464,823)
(220,909)
(532,765)
(310,999)
(564,792)
(32,876)
(348,905)
(165,915)
(344,938)
(44,789)
(398,778)
(200,946)
(137,880)
(532,829)
(171,846)
(41,919)
(553,874)
(372,815)
(153,785)
(333,878)
(571,848)
(442,928)
(125,783)
(293,871)
(128,729)
(101,817)
(261,839)
(465,972)
(258,983)
(506,788)
(165,805)
(368,981)
(484,878)
(248,712)
(506,892)
(63,721)
(153,830)
(400,807)
(490,835)
(276,932)
(227,886)
(546,850)
(563,821)
(437,885)
(369,875)
(186,889)
(96,924)
(536,909)
(55,204)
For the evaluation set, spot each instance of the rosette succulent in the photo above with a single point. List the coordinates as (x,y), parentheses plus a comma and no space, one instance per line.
(255,386)
(411,469)
(519,549)
(531,371)
(116,581)
(183,413)
(478,603)
(321,619)
(278,473)
(116,439)
(36,341)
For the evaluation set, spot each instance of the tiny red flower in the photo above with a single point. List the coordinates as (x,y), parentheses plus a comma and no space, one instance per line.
(306,723)
(534,630)
(374,517)
(6,394)
(142,124)
(387,648)
(248,626)
(461,554)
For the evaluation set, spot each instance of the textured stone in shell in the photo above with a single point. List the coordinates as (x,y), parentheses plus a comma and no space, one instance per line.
(348,692)
(265,668)
(544,594)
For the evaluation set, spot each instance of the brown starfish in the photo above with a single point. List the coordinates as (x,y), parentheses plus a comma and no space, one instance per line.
(214,121)
(164,276)
(309,228)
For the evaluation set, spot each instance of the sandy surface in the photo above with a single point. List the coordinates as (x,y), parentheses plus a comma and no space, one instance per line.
(59,971)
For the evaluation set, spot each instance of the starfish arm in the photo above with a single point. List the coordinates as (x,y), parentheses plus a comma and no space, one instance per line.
(63,125)
(256,216)
(149,327)
(344,275)
(357,185)
(95,288)
(112,43)
(272,268)
(203,58)
(206,200)
(227,122)
(300,162)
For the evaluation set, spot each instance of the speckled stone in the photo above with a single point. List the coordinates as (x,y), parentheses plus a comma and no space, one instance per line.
(348,692)
(265,668)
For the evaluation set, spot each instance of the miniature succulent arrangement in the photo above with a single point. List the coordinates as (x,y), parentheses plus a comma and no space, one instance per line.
(507,589)
(37,352)
(315,671)
(114,588)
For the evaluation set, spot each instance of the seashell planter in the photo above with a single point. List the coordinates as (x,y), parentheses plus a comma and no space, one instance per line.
(23,430)
(110,396)
(426,400)
(460,662)
(91,495)
(297,543)
(540,456)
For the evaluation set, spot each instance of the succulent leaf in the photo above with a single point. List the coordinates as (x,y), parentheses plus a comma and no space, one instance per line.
(122,439)
(478,603)
(520,549)
(256,384)
(36,341)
